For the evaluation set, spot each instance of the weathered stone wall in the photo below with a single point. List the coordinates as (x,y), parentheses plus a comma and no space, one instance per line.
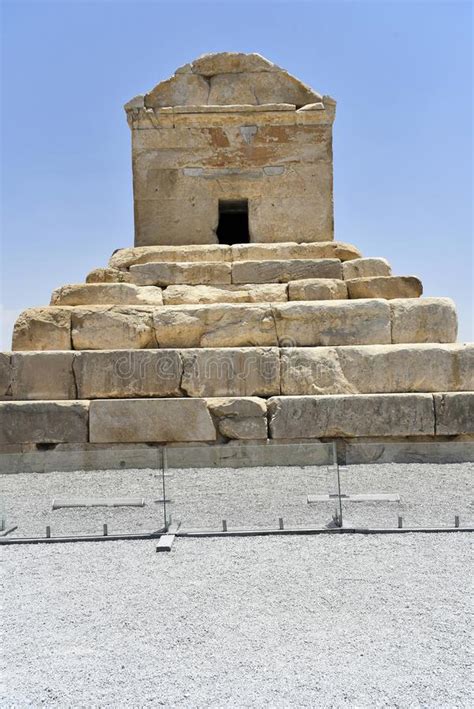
(244,130)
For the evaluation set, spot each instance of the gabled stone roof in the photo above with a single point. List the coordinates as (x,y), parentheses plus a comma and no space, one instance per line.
(230,78)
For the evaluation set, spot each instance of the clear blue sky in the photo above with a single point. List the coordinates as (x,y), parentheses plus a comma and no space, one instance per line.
(400,71)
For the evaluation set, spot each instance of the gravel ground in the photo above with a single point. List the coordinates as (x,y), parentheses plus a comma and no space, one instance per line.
(255,622)
(431,494)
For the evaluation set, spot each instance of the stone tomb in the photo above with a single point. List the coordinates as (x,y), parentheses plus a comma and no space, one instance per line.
(236,315)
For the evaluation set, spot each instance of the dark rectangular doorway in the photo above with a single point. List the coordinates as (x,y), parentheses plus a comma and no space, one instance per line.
(233,225)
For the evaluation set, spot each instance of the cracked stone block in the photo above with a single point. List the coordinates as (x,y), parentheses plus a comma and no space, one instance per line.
(372,369)
(423,320)
(113,327)
(351,415)
(253,293)
(293,250)
(43,422)
(284,271)
(317,289)
(251,371)
(165,274)
(43,329)
(128,374)
(454,413)
(150,420)
(124,258)
(366,268)
(106,294)
(388,287)
(6,376)
(242,418)
(107,275)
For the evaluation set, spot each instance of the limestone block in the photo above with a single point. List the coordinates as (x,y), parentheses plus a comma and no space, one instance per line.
(230,371)
(243,418)
(283,251)
(253,293)
(454,413)
(182,89)
(351,416)
(164,274)
(423,320)
(150,420)
(230,63)
(231,89)
(317,289)
(112,327)
(306,324)
(106,294)
(43,375)
(214,326)
(284,271)
(43,329)
(373,369)
(128,374)
(124,258)
(107,275)
(366,268)
(6,376)
(388,287)
(43,422)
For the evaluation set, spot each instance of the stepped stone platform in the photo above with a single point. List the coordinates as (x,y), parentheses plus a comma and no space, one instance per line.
(278,334)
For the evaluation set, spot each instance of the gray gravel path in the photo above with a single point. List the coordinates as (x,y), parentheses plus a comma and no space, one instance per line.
(431,494)
(268,622)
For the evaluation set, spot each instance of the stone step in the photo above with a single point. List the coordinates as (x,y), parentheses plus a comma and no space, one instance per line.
(388,287)
(303,323)
(249,418)
(106,294)
(124,258)
(245,293)
(245,371)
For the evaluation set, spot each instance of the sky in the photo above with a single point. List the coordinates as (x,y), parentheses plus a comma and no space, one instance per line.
(401,73)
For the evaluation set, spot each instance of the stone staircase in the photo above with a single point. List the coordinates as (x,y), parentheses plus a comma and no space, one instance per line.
(255,342)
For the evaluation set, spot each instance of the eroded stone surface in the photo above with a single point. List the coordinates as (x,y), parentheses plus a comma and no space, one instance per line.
(243,418)
(43,422)
(124,258)
(253,293)
(284,271)
(128,374)
(352,416)
(454,413)
(229,63)
(388,287)
(280,252)
(43,375)
(366,268)
(423,320)
(43,329)
(6,376)
(150,420)
(112,327)
(332,323)
(372,369)
(106,294)
(231,372)
(164,274)
(107,275)
(317,289)
(214,326)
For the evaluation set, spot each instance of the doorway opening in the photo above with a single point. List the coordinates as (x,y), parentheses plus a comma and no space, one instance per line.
(233,225)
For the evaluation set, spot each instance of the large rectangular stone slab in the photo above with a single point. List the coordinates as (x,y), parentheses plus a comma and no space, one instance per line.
(165,274)
(454,413)
(351,416)
(124,258)
(6,376)
(253,371)
(243,418)
(388,287)
(284,251)
(43,329)
(332,323)
(43,375)
(128,374)
(43,422)
(112,327)
(423,320)
(106,294)
(284,271)
(253,293)
(371,369)
(150,420)
(215,326)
